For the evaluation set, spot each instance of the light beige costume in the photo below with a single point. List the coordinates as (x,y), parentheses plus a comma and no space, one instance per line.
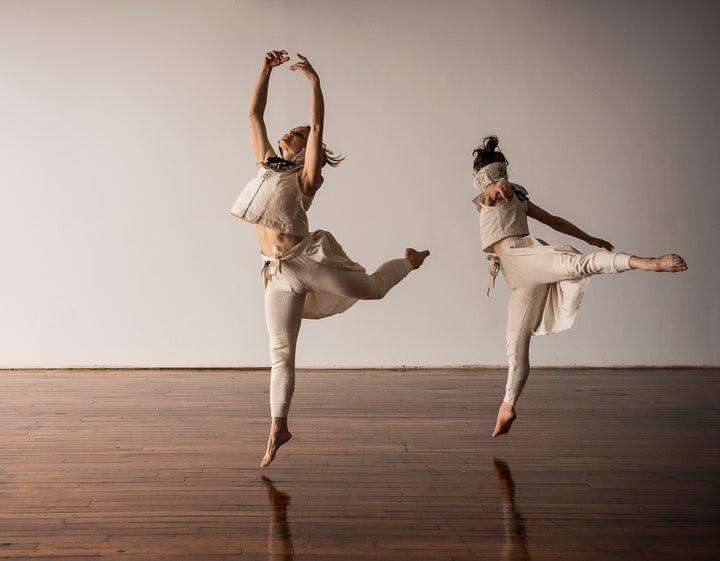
(546,282)
(314,279)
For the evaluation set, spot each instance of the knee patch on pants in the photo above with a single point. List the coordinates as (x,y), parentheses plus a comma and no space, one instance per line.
(282,374)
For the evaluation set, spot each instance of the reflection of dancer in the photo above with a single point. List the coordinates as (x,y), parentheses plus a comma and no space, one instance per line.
(546,282)
(307,274)
(515,547)
(280,545)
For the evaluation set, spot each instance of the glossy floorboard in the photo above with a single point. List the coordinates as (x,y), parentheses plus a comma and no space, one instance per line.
(390,465)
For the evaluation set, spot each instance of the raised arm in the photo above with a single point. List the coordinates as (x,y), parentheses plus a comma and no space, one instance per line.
(562,225)
(311,175)
(258,100)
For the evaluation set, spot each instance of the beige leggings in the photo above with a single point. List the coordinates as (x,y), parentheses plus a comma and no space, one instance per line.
(284,300)
(529,276)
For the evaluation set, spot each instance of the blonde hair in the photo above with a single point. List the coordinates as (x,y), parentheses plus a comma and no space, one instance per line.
(329,157)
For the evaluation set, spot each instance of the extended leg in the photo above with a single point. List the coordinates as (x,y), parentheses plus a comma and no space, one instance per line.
(358,284)
(567,265)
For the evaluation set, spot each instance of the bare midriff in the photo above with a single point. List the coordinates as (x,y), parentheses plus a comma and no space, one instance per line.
(268,238)
(496,245)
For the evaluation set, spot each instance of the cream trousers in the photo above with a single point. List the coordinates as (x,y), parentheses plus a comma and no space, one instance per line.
(530,269)
(284,300)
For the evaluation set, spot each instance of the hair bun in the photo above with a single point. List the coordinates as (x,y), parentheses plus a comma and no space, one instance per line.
(488,153)
(491,143)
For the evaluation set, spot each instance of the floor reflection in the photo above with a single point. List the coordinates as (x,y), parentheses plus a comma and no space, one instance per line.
(515,545)
(280,545)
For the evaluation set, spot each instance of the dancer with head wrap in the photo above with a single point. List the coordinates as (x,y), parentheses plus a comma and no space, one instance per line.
(546,282)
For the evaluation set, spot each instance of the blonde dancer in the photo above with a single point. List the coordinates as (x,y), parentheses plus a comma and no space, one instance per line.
(307,274)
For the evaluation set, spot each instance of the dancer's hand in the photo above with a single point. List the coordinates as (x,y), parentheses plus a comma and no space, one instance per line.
(275,58)
(597,242)
(306,68)
(501,189)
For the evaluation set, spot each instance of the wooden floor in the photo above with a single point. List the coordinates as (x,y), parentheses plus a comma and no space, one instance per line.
(391,465)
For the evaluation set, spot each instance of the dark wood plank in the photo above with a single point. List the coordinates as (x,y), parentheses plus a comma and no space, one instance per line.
(162,464)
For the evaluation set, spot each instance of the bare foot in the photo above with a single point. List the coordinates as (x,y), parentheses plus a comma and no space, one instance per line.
(505,418)
(669,263)
(415,257)
(279,435)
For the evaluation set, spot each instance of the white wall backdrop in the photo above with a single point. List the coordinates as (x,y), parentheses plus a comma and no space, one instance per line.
(123,144)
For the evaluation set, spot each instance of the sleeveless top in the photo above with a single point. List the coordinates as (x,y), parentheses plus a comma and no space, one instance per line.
(499,219)
(274,199)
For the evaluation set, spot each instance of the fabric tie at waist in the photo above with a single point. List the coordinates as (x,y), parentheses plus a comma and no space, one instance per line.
(494,260)
(273,265)
(493,266)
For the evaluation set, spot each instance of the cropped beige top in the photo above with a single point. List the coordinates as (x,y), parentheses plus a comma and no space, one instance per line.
(273,199)
(499,219)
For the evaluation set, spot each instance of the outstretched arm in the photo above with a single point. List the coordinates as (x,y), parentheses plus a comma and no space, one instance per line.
(562,225)
(258,100)
(311,175)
